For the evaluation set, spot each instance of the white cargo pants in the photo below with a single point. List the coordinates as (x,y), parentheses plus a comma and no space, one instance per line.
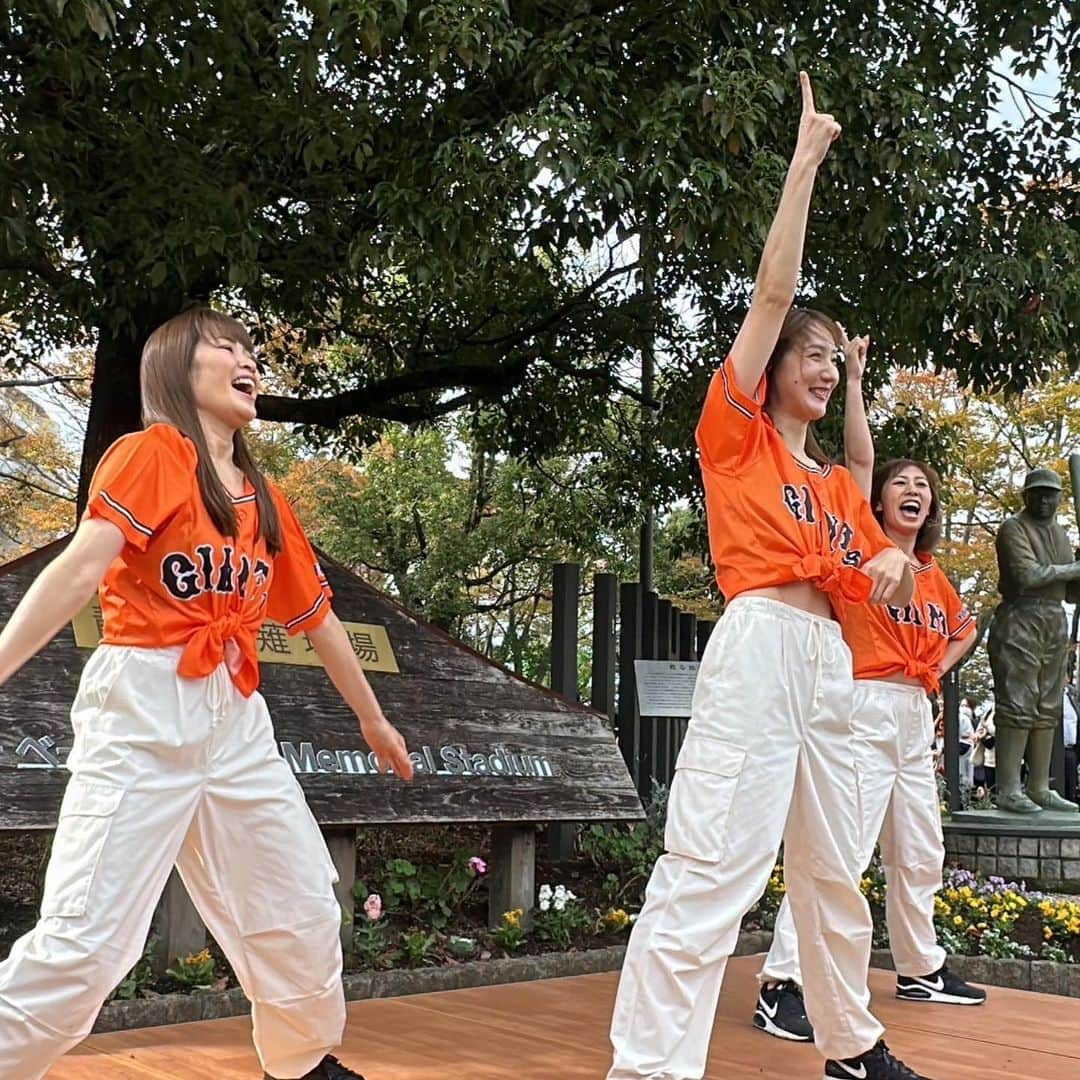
(169,770)
(894,734)
(767,756)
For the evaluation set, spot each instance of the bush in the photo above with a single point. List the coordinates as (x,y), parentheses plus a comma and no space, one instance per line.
(627,852)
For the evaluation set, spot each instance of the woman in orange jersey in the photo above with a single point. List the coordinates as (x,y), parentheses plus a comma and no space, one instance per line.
(767,756)
(174,759)
(900,654)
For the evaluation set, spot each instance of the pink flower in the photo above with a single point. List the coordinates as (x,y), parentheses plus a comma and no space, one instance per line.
(373,906)
(478,864)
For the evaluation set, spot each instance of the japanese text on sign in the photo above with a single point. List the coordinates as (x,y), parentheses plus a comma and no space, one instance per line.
(665,687)
(370,643)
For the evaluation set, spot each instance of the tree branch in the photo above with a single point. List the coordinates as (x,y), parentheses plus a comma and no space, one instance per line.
(36,487)
(6,384)
(378,399)
(1025,92)
(38,267)
(555,316)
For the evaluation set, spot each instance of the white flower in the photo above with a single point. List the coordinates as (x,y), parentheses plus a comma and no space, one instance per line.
(545,892)
(560,890)
(570,895)
(545,904)
(560,903)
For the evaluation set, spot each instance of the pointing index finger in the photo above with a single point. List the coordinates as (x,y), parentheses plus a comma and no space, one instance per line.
(807,93)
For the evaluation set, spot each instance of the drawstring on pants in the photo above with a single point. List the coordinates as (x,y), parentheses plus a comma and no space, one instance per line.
(821,647)
(218,692)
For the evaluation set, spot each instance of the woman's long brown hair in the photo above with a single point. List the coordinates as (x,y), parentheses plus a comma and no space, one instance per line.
(930,532)
(168,398)
(792,332)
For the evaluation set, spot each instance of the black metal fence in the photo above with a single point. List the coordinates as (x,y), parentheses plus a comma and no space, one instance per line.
(628,624)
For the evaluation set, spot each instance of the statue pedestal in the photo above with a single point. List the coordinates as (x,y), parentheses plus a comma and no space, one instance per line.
(1042,849)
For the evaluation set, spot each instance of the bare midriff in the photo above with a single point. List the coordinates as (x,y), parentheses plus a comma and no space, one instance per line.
(799,594)
(900,679)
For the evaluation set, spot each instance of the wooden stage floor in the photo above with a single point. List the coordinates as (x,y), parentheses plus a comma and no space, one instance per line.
(558,1028)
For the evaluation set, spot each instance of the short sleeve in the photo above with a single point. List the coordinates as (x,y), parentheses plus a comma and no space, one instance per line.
(142,480)
(961,624)
(727,418)
(300,595)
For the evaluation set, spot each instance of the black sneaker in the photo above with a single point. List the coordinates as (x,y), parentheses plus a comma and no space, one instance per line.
(875,1064)
(780,1011)
(943,987)
(327,1069)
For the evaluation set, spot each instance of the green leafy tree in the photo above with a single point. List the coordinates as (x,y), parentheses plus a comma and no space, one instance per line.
(41,418)
(453,191)
(461,533)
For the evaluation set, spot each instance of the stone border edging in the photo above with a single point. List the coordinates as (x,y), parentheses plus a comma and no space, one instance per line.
(1041,976)
(360,985)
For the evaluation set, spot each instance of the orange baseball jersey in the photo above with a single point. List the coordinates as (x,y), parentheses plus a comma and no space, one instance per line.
(178,581)
(909,640)
(773,520)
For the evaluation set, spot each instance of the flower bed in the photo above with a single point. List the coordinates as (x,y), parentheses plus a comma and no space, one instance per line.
(422,903)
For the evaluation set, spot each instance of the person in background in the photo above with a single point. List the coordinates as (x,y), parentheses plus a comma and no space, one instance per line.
(967,744)
(1069,711)
(939,735)
(985,755)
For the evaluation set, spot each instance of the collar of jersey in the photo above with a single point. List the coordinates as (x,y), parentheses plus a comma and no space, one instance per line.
(821,470)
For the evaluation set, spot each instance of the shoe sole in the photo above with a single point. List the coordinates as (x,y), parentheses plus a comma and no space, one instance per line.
(925,996)
(763,1023)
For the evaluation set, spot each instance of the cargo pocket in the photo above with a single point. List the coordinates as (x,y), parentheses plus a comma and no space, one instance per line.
(86,816)
(702,793)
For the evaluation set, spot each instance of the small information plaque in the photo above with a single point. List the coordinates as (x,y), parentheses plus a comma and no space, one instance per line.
(665,687)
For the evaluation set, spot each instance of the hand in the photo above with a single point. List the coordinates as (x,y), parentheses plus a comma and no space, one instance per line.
(389,746)
(886,571)
(817,131)
(855,350)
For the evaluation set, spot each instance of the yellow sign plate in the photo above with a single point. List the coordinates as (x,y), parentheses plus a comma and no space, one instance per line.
(370,643)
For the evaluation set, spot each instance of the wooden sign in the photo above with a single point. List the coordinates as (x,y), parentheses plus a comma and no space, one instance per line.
(486,745)
(369,642)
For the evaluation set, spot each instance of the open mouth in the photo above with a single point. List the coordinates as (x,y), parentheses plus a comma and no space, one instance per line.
(821,393)
(245,385)
(910,510)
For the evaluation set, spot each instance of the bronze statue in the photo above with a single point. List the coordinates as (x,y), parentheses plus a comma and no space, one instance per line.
(1029,643)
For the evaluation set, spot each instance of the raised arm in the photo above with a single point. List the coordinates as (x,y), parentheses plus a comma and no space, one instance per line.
(778,273)
(59,593)
(858,445)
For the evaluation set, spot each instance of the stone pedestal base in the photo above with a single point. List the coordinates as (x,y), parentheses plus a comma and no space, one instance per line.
(1041,849)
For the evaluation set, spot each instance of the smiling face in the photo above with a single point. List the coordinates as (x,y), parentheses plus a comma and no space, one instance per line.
(224,381)
(803,381)
(906,501)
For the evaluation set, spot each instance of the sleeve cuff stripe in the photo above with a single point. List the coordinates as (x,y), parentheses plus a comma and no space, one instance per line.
(730,399)
(144,529)
(307,614)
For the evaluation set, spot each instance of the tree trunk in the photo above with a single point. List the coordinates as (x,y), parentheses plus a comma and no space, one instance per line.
(115,407)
